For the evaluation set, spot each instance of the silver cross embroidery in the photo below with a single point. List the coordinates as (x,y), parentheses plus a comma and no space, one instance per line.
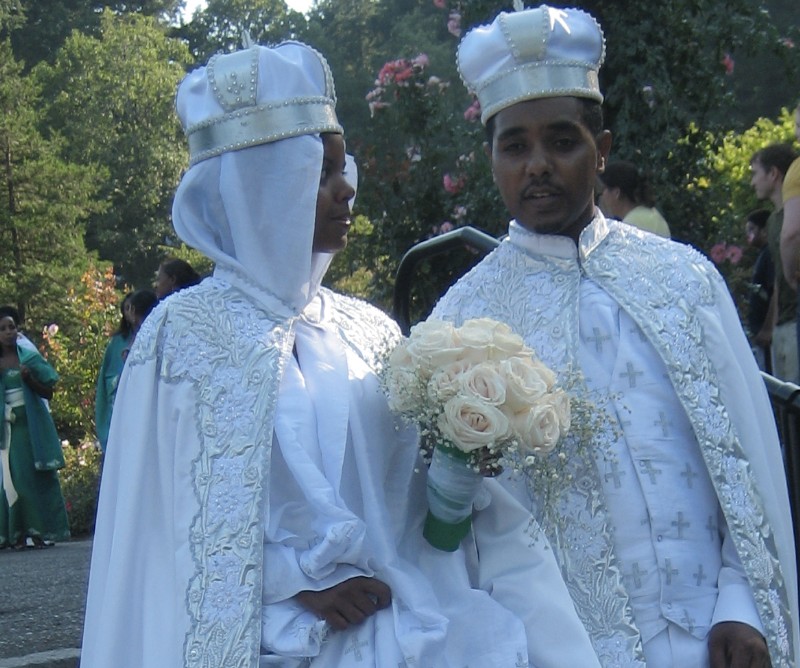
(615,474)
(649,470)
(700,575)
(663,422)
(355,649)
(560,17)
(631,374)
(669,571)
(597,339)
(680,524)
(688,473)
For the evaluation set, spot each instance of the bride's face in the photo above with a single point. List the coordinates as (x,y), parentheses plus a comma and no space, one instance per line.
(333,198)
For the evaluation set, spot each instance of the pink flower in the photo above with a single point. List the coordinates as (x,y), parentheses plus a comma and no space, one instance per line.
(375,105)
(718,252)
(454,24)
(459,212)
(733,254)
(473,111)
(441,4)
(728,63)
(52,329)
(451,185)
(421,61)
(445,227)
(788,42)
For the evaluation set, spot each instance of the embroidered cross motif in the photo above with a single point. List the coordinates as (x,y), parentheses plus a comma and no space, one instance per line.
(688,473)
(597,339)
(669,571)
(700,575)
(355,648)
(638,332)
(560,17)
(637,574)
(711,525)
(680,524)
(688,620)
(663,422)
(649,470)
(631,374)
(522,661)
(616,474)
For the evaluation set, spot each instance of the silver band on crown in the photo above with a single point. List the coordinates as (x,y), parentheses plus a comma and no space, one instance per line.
(537,80)
(250,126)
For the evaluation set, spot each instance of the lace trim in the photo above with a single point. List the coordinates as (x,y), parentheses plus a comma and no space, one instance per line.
(501,288)
(233,355)
(669,319)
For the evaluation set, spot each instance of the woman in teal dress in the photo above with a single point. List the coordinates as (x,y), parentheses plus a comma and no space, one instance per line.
(110,371)
(31,504)
(135,307)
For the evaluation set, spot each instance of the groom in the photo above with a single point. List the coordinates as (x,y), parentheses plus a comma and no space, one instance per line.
(675,537)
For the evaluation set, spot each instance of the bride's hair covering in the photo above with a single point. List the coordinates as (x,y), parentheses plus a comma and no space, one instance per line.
(253,119)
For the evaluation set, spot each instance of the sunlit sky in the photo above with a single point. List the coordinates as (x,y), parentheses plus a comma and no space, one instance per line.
(297,5)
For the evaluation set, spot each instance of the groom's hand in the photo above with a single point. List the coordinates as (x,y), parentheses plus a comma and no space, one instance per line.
(737,645)
(349,603)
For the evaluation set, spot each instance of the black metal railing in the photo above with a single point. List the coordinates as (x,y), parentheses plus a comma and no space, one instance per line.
(785,397)
(463,237)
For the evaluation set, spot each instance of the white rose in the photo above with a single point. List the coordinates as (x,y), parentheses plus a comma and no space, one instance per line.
(447,381)
(489,339)
(433,344)
(563,409)
(525,382)
(484,381)
(539,428)
(469,423)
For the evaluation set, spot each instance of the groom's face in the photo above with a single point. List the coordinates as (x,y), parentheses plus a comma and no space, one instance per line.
(545,161)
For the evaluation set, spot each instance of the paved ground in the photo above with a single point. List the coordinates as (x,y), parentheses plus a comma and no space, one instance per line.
(42,598)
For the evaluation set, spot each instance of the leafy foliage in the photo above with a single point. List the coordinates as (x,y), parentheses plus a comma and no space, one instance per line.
(75,345)
(219,26)
(80,480)
(112,98)
(44,198)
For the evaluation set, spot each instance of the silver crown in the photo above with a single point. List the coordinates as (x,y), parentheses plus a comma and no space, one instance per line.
(233,81)
(532,53)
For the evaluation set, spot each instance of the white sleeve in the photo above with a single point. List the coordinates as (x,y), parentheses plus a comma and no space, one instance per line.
(522,575)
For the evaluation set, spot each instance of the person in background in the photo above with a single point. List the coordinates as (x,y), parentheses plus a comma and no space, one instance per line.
(110,371)
(173,275)
(790,232)
(672,523)
(266,509)
(24,341)
(32,509)
(761,287)
(624,194)
(768,167)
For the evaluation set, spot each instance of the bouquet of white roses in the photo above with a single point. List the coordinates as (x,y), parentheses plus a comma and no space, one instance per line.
(479,395)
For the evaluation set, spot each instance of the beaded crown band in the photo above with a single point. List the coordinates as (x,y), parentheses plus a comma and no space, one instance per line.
(233,80)
(530,54)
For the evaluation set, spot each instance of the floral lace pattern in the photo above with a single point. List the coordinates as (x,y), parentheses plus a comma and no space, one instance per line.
(503,287)
(237,356)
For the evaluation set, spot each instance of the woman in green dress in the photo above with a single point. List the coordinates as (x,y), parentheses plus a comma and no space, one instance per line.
(31,504)
(110,371)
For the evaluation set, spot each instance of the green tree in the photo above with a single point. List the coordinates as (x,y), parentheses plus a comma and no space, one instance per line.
(219,27)
(112,99)
(43,205)
(49,23)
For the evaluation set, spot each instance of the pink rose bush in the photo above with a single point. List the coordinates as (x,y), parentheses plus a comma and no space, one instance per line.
(477,387)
